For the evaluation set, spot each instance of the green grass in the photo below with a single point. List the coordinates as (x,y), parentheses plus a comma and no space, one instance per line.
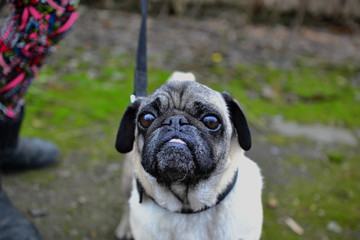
(329,192)
(307,94)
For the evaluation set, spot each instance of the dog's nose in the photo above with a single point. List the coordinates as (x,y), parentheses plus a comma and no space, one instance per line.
(176,121)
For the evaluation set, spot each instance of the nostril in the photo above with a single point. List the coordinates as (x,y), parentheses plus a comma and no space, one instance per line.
(183,121)
(168,121)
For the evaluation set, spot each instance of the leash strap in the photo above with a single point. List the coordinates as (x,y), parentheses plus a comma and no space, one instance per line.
(140,81)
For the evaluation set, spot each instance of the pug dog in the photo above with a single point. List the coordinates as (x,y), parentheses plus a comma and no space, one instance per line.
(190,178)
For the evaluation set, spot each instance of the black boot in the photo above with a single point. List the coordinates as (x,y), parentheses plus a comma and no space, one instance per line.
(23,153)
(13,225)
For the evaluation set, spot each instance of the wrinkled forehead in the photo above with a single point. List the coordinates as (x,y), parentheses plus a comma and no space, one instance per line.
(186,96)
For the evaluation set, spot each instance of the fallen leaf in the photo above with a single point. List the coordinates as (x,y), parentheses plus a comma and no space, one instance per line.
(273,203)
(294,226)
(217,57)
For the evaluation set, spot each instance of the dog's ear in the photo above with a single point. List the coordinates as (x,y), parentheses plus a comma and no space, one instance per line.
(126,133)
(238,119)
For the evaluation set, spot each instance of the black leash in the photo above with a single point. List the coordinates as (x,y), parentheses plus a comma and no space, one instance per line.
(140,81)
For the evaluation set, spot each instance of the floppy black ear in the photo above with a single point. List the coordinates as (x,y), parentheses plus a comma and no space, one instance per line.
(126,133)
(239,121)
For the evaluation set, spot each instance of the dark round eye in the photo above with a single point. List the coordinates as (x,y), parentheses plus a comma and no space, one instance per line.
(211,122)
(146,120)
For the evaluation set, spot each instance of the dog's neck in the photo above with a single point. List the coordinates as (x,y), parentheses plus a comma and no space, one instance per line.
(180,194)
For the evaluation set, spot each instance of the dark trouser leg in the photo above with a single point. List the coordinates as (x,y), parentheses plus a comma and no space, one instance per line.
(13,225)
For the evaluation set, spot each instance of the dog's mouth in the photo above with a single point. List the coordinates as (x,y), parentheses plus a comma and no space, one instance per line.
(175,161)
(177,140)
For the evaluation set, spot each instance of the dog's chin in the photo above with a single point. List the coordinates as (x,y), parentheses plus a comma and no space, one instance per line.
(175,163)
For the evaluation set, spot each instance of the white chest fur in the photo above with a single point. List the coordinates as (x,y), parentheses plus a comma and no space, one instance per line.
(238,216)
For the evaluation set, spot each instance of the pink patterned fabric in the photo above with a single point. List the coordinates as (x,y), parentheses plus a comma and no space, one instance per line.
(27,38)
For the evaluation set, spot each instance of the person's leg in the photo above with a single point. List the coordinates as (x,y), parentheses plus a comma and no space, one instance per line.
(13,225)
(30,34)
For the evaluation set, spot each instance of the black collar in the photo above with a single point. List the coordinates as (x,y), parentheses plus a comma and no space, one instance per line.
(220,197)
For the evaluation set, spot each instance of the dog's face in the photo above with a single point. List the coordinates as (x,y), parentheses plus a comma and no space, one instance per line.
(182,132)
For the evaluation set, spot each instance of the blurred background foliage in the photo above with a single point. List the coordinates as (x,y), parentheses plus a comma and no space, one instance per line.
(340,12)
